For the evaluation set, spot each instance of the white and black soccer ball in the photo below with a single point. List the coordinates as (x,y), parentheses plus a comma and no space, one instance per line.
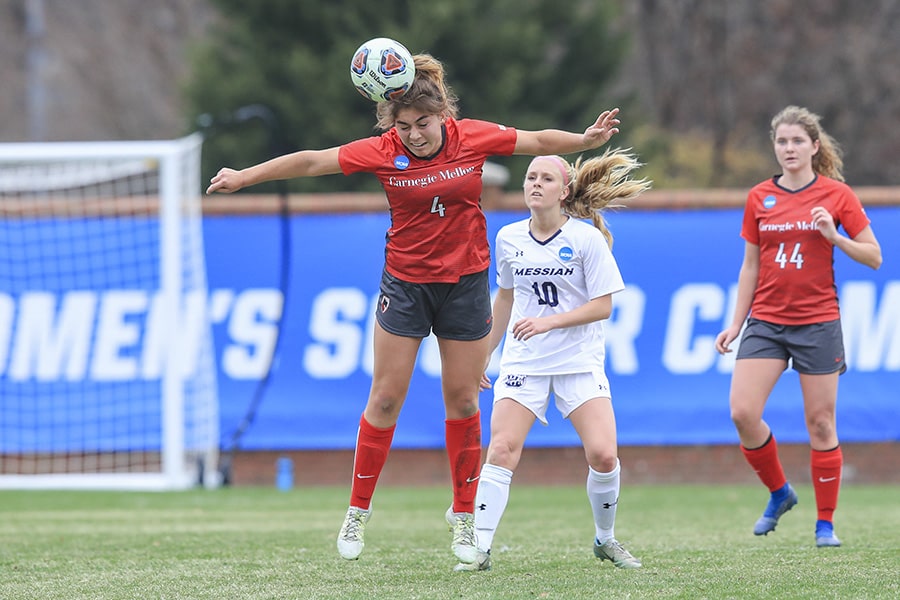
(382,69)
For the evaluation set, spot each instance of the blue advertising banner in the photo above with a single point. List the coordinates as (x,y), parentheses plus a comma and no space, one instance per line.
(669,385)
(318,275)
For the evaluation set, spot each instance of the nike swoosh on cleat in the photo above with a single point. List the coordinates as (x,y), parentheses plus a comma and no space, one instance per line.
(826,479)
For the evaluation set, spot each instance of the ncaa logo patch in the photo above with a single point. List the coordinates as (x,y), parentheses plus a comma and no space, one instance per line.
(769,201)
(566,253)
(401,162)
(514,381)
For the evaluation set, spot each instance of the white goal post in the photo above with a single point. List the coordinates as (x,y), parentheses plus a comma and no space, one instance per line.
(107,366)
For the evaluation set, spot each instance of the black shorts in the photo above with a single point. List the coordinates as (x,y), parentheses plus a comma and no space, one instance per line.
(454,311)
(814,349)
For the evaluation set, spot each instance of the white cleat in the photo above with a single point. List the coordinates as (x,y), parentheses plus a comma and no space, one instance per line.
(615,553)
(351,541)
(462,525)
(482,563)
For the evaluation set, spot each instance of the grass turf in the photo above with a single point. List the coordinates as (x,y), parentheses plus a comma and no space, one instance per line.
(260,543)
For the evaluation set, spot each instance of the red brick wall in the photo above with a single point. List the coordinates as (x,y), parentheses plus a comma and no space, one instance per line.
(863,463)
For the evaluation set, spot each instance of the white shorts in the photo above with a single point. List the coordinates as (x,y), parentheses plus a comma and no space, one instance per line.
(533,391)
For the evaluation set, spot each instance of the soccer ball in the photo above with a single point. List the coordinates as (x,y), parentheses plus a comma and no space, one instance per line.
(382,69)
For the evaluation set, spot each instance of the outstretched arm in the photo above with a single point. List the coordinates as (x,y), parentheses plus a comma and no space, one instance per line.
(305,163)
(555,141)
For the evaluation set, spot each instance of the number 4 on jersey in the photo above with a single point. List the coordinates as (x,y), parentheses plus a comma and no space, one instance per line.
(796,256)
(437,206)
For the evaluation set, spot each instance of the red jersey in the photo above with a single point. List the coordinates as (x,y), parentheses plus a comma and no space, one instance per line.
(796,263)
(438,231)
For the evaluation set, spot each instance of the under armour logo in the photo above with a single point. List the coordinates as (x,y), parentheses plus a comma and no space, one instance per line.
(482,506)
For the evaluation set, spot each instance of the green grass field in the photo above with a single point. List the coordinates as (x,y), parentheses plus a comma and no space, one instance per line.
(255,543)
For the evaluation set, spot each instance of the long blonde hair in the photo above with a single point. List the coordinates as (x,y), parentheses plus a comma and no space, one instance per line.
(429,93)
(602,182)
(828,160)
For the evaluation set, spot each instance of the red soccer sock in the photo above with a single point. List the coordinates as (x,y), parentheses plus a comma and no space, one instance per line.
(764,461)
(463,437)
(372,447)
(826,466)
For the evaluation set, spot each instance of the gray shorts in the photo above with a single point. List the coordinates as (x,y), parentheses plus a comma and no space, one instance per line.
(814,349)
(453,311)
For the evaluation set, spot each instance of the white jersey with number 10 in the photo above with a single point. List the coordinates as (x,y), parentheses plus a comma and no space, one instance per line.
(555,276)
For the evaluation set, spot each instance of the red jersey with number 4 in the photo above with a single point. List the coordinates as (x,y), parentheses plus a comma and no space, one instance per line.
(796,263)
(438,231)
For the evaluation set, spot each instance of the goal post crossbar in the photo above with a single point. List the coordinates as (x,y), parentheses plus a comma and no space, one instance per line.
(52,151)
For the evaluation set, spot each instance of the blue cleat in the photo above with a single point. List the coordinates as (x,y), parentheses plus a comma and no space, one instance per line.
(825,537)
(781,501)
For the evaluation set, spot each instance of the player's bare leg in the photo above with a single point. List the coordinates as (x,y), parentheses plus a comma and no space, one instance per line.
(462,364)
(510,424)
(826,457)
(395,357)
(751,384)
(595,423)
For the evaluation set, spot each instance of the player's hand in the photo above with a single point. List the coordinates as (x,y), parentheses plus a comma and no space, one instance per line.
(485,383)
(226,181)
(530,327)
(602,129)
(824,222)
(724,339)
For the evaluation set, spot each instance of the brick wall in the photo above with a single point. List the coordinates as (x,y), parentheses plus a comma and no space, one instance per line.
(863,463)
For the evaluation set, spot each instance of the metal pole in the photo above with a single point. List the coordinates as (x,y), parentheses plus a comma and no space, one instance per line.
(35,33)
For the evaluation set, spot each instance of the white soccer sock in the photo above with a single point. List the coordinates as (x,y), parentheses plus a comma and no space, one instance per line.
(490,502)
(603,493)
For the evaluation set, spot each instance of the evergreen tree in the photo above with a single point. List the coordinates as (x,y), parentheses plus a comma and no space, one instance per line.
(274,75)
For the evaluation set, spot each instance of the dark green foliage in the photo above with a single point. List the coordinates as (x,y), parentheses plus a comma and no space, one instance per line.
(530,64)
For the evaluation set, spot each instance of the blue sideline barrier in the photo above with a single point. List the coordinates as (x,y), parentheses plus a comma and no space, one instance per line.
(669,385)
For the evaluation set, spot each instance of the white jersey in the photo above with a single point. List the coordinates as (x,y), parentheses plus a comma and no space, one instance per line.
(556,276)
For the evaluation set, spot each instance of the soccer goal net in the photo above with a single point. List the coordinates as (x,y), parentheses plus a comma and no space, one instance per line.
(107,370)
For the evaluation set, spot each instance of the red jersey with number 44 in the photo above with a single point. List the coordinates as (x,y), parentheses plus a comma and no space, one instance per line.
(796,263)
(438,231)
